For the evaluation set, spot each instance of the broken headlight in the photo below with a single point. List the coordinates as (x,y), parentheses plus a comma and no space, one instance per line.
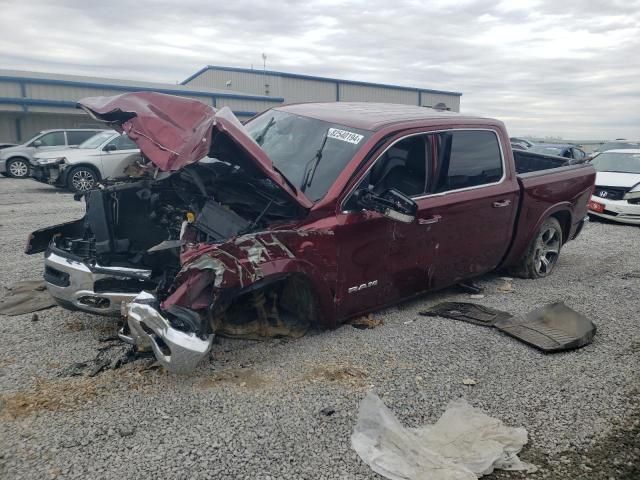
(50,161)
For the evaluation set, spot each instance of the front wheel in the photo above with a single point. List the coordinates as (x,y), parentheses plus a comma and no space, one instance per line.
(542,255)
(18,168)
(82,179)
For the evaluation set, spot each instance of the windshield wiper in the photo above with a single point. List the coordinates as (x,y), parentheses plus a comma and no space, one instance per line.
(312,166)
(260,138)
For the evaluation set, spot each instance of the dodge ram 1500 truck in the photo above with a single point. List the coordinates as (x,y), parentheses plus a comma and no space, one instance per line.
(307,215)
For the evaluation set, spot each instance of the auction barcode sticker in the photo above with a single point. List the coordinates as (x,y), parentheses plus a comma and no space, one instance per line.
(345,136)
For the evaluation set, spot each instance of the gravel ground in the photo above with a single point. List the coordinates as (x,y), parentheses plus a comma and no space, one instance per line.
(254,411)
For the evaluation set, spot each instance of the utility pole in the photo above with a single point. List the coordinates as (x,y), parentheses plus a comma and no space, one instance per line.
(264,73)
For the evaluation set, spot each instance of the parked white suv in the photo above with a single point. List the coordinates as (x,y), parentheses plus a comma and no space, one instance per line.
(14,160)
(104,156)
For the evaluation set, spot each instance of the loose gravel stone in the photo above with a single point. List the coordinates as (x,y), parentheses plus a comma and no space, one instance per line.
(254,409)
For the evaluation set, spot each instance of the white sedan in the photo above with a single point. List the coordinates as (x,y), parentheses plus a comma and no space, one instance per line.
(617,192)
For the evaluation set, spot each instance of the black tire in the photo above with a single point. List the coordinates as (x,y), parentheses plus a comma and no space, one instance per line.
(18,167)
(542,254)
(4,174)
(82,178)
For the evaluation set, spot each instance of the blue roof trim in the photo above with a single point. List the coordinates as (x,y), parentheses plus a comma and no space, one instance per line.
(134,88)
(26,102)
(311,77)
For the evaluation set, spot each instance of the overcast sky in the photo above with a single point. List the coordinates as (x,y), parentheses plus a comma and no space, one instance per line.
(550,67)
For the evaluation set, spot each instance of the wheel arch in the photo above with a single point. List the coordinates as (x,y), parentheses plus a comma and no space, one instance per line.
(564,218)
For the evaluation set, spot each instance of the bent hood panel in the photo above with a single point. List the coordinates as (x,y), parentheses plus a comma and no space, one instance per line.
(173,132)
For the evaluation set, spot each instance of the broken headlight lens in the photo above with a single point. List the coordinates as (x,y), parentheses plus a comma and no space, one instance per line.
(633,194)
(50,161)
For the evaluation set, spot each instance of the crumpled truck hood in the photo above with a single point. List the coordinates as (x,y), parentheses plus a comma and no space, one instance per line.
(173,132)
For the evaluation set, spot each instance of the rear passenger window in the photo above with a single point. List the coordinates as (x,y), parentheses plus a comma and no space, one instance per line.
(78,136)
(125,143)
(467,159)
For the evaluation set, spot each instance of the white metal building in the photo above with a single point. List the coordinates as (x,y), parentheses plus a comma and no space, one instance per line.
(305,88)
(32,101)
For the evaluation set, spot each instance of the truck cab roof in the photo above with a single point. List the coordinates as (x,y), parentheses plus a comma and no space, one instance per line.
(374,116)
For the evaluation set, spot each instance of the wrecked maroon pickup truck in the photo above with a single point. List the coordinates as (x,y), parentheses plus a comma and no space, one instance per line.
(306,216)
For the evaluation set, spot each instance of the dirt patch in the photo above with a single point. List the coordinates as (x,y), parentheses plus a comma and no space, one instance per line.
(337,373)
(239,377)
(75,325)
(70,393)
(369,321)
(4,362)
(47,395)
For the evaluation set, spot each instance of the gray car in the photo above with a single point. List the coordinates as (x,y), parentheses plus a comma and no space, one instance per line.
(14,161)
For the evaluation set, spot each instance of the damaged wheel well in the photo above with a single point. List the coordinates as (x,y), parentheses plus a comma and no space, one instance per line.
(564,217)
(278,306)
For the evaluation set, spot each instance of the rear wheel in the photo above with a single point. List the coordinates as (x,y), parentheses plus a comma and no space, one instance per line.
(82,179)
(543,252)
(18,168)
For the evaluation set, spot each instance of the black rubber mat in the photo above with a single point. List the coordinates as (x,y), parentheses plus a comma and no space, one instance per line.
(551,328)
(467,312)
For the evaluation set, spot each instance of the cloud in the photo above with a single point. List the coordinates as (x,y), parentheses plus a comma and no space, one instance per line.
(545,67)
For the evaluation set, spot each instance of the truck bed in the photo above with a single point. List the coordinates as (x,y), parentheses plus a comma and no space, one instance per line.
(527,162)
(549,186)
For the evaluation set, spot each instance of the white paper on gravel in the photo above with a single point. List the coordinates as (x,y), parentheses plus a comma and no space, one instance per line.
(464,444)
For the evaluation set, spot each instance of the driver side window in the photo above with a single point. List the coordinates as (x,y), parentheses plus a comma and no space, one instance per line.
(402,167)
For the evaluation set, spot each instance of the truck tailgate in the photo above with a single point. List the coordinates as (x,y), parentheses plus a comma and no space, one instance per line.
(564,191)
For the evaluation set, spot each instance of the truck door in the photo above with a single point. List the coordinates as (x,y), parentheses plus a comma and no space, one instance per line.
(474,198)
(382,260)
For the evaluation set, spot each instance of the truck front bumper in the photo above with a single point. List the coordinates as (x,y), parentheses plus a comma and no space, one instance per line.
(72,284)
(175,350)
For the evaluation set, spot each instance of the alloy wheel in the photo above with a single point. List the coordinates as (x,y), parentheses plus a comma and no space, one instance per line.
(18,168)
(547,251)
(83,180)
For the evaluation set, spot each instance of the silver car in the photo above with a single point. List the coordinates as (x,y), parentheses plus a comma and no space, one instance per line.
(105,156)
(14,161)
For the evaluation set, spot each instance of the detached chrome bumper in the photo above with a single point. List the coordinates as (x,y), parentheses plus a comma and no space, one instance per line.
(71,284)
(175,350)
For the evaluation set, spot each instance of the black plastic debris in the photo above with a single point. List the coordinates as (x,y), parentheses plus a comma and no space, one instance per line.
(467,312)
(470,286)
(551,328)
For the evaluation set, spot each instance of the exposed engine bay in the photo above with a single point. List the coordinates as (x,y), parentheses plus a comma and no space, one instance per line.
(143,224)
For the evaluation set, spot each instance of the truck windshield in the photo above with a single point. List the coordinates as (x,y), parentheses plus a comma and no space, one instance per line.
(97,140)
(292,143)
(617,162)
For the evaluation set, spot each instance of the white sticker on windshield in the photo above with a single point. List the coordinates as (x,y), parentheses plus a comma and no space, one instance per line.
(345,136)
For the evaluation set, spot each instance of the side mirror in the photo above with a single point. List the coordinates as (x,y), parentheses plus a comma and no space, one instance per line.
(110,148)
(37,143)
(392,204)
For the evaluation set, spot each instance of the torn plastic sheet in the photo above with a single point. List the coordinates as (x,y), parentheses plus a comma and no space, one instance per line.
(464,444)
